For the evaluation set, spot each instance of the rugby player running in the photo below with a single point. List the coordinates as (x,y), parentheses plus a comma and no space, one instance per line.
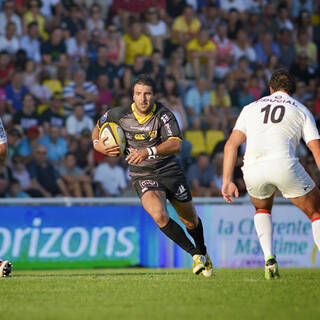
(153,137)
(272,128)
(5,265)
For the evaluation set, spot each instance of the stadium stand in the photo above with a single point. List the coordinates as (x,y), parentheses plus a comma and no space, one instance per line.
(44,44)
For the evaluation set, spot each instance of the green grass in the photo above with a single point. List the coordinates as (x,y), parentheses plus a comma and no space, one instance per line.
(160,294)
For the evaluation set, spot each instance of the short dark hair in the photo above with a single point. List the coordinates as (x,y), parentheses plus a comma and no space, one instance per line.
(3,52)
(32,24)
(14,181)
(145,80)
(39,2)
(71,154)
(15,132)
(78,104)
(282,79)
(28,94)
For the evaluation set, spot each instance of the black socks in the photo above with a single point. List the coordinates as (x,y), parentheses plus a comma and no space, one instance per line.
(173,231)
(197,235)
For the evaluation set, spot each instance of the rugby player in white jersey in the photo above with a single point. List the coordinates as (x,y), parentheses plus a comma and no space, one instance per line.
(5,265)
(272,128)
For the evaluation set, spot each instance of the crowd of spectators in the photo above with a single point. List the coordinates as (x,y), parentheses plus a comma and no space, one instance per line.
(64,63)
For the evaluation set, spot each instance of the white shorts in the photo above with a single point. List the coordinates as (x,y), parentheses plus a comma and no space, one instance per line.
(287,175)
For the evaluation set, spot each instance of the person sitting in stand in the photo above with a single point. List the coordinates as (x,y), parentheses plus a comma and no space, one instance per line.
(44,176)
(201,177)
(77,182)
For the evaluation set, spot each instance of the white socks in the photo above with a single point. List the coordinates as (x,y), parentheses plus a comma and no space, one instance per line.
(316,231)
(263,224)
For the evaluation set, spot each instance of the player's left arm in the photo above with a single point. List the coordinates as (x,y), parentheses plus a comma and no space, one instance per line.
(170,146)
(229,160)
(310,135)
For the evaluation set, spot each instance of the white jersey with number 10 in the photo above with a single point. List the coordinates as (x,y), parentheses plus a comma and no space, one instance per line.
(273,126)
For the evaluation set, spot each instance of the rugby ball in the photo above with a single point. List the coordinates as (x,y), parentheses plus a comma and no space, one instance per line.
(115,135)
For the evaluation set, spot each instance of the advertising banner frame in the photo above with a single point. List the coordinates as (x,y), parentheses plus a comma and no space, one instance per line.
(94,235)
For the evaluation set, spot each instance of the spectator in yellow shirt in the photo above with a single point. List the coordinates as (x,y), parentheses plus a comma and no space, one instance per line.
(136,43)
(33,15)
(201,53)
(220,98)
(220,104)
(309,47)
(185,27)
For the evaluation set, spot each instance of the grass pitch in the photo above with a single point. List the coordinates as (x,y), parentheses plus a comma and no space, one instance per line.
(160,294)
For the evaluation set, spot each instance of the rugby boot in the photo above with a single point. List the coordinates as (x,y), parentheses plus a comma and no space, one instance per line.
(271,270)
(208,268)
(5,268)
(199,263)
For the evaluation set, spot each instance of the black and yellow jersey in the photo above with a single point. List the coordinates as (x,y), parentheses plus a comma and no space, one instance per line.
(144,132)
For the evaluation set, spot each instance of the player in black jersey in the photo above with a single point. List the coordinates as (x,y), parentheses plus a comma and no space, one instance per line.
(153,137)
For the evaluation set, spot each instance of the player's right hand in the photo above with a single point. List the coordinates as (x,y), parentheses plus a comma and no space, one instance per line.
(109,151)
(228,190)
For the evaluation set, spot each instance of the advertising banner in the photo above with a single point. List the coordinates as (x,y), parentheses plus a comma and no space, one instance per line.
(70,237)
(232,241)
(41,237)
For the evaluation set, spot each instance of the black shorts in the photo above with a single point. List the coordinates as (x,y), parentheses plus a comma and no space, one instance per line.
(173,183)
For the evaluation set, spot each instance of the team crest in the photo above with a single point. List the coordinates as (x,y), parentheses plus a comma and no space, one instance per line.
(152,134)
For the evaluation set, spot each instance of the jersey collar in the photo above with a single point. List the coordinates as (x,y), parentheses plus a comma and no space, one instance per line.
(282,93)
(143,119)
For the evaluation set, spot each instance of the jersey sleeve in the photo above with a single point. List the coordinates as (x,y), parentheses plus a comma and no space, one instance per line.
(241,123)
(110,116)
(3,136)
(309,130)
(169,126)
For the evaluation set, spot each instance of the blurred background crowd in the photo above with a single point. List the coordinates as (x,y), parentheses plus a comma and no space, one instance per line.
(64,63)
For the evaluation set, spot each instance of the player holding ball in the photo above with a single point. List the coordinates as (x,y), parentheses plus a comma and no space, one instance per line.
(153,137)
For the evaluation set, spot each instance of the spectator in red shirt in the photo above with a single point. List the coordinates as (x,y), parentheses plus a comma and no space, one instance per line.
(126,8)
(104,93)
(225,53)
(6,69)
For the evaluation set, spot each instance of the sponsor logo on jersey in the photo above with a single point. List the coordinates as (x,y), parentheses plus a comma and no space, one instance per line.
(275,99)
(148,183)
(168,128)
(139,136)
(103,119)
(152,134)
(140,128)
(182,192)
(165,118)
(181,189)
(143,136)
